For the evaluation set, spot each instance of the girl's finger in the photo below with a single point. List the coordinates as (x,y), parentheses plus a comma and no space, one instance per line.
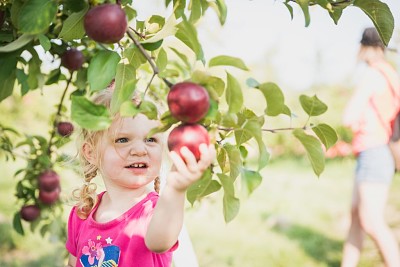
(180,165)
(190,159)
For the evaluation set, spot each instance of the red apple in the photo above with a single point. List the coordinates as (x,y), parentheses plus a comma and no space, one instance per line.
(49,197)
(106,23)
(65,128)
(188,102)
(48,181)
(30,212)
(72,59)
(189,135)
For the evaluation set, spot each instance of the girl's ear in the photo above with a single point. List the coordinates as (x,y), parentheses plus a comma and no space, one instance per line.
(89,153)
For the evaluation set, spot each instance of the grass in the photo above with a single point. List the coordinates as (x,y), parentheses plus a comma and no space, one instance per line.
(293,219)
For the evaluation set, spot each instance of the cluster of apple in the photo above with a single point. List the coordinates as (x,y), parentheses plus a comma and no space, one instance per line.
(49,193)
(189,103)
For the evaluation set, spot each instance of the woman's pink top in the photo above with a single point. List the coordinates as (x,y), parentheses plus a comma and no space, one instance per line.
(372,108)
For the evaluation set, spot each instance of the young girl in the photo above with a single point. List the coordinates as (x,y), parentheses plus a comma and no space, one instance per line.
(128,224)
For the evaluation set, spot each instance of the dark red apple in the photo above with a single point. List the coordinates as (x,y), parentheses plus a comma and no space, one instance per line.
(72,59)
(189,135)
(30,212)
(49,197)
(188,102)
(48,181)
(106,23)
(65,128)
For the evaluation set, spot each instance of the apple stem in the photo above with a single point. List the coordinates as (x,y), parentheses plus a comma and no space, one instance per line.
(58,114)
(148,58)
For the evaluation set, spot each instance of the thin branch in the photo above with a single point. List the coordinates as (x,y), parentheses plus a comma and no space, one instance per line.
(138,33)
(148,58)
(147,88)
(58,114)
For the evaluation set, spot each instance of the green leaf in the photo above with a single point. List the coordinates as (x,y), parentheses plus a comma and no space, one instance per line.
(23,81)
(304,7)
(183,57)
(73,26)
(255,128)
(221,9)
(234,95)
(44,42)
(312,105)
(102,69)
(130,109)
(231,204)
(125,85)
(326,134)
(17,224)
(235,162)
(134,56)
(380,15)
(162,60)
(152,46)
(7,74)
(17,44)
(314,150)
(228,61)
(203,187)
(251,179)
(36,15)
(187,33)
(275,99)
(89,115)
(196,11)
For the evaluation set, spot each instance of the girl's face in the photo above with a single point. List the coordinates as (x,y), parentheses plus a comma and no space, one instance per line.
(130,158)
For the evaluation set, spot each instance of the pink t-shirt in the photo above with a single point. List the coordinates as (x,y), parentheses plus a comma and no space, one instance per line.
(119,242)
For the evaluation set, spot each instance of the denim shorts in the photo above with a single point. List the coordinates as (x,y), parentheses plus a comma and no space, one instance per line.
(375,165)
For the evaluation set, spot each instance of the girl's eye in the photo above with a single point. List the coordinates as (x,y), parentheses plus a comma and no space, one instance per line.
(121,140)
(151,140)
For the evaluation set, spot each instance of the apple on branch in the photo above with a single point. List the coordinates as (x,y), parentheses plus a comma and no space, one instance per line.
(188,102)
(30,213)
(189,135)
(106,23)
(65,128)
(48,181)
(72,59)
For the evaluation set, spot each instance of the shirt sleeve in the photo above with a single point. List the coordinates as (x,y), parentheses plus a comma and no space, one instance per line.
(73,225)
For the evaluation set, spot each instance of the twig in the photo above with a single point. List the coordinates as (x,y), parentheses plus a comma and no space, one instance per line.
(148,58)
(53,132)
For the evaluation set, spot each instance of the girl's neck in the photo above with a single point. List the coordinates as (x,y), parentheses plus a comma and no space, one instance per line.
(117,201)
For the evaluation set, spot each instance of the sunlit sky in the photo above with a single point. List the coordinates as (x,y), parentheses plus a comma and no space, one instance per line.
(262,33)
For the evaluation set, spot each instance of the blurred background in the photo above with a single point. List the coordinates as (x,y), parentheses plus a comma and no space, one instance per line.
(294,218)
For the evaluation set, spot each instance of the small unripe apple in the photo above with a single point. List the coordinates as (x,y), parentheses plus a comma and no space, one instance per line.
(72,59)
(106,23)
(49,197)
(48,181)
(188,102)
(30,213)
(189,135)
(65,128)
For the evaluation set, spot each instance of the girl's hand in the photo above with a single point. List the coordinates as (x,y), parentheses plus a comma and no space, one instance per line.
(187,171)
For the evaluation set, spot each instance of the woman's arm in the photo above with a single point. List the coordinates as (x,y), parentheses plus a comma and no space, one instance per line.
(167,219)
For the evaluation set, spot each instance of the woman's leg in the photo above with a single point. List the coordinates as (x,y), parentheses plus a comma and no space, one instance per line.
(373,197)
(353,245)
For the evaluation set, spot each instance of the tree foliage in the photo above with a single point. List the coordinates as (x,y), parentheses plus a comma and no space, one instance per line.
(146,62)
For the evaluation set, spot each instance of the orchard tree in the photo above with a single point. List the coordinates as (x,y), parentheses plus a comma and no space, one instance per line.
(97,42)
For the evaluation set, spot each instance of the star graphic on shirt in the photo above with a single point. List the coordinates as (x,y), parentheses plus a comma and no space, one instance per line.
(109,240)
(98,237)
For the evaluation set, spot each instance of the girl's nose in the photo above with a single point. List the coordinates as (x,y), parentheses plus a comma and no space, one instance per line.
(138,149)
